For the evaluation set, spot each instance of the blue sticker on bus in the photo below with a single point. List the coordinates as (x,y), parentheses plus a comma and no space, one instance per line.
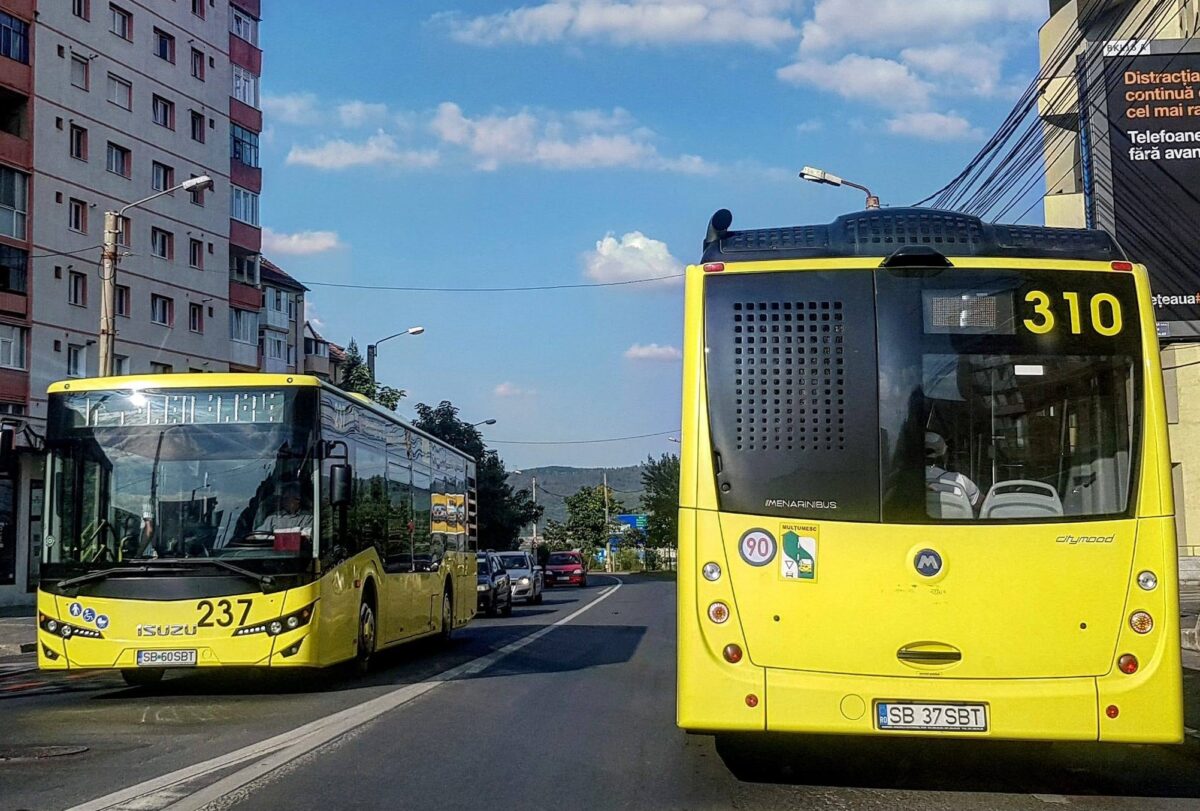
(76,609)
(102,621)
(928,562)
(89,614)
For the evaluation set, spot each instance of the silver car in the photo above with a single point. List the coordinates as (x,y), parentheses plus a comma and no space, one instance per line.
(526,577)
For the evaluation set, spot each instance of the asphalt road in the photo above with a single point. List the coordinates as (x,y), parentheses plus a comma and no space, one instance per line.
(569,704)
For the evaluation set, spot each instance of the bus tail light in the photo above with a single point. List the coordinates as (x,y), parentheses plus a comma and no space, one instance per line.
(733,654)
(714,267)
(1128,664)
(718,612)
(751,701)
(1141,622)
(1112,711)
(1125,266)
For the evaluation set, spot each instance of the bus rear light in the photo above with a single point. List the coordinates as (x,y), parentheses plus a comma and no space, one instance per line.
(1112,711)
(1128,664)
(712,571)
(1141,622)
(733,654)
(1125,266)
(1148,581)
(751,700)
(718,612)
(714,267)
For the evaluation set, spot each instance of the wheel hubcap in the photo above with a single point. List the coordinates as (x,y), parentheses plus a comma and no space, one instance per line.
(367,629)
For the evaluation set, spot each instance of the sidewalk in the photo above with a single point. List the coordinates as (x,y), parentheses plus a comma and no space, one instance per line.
(17,635)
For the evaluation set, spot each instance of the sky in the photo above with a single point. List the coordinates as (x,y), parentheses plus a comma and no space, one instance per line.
(489,143)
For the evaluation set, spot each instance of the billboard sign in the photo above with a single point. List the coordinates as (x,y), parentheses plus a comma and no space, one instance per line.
(1154,139)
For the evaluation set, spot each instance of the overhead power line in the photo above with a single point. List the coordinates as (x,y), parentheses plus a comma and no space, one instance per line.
(519,289)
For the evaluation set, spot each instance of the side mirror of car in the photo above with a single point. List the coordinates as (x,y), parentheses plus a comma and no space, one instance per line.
(339,485)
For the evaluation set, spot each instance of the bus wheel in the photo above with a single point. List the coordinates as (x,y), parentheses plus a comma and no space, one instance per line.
(366,636)
(142,676)
(447,616)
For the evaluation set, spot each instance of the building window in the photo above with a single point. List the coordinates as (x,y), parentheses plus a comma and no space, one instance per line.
(14,194)
(120,364)
(243,268)
(198,8)
(77,212)
(79,71)
(121,23)
(76,360)
(120,160)
(120,92)
(162,310)
(123,300)
(198,64)
(79,143)
(245,86)
(275,348)
(162,177)
(161,368)
(197,195)
(243,326)
(197,126)
(124,232)
(14,38)
(82,9)
(12,347)
(164,45)
(245,206)
(164,112)
(196,318)
(13,262)
(162,243)
(77,289)
(244,147)
(243,25)
(196,254)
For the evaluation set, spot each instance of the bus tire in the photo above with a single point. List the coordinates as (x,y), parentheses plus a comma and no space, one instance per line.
(368,628)
(447,631)
(142,676)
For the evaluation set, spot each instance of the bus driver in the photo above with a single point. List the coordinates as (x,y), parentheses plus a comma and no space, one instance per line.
(289,517)
(936,473)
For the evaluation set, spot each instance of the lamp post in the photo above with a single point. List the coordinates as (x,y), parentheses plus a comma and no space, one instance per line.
(108,270)
(484,422)
(821,176)
(532,543)
(372,349)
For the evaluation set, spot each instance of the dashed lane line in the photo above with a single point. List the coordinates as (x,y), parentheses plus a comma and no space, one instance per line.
(174,791)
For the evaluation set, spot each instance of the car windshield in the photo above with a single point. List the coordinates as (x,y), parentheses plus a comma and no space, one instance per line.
(481,566)
(561,559)
(179,474)
(514,561)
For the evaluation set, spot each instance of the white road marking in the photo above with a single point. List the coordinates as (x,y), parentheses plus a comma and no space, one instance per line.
(170,790)
(1191,733)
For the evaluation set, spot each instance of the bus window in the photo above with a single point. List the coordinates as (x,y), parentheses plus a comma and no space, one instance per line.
(400,517)
(422,507)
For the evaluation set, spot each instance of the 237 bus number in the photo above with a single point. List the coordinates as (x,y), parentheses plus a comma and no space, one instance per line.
(1104,313)
(224,611)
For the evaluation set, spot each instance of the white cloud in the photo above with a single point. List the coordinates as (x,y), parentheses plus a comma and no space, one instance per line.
(633,256)
(969,67)
(380,149)
(301,243)
(361,113)
(839,24)
(934,127)
(310,315)
(294,108)
(509,389)
(653,352)
(862,78)
(582,140)
(811,125)
(760,23)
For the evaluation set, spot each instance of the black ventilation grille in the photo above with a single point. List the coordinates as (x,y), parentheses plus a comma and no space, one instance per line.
(789,363)
(777,239)
(877,233)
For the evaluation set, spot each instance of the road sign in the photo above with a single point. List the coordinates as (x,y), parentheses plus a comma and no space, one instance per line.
(634,521)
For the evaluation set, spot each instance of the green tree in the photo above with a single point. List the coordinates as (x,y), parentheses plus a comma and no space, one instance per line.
(660,500)
(356,377)
(502,511)
(585,525)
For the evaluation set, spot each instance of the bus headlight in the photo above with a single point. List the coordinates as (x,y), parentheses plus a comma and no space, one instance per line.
(288,622)
(65,629)
(1141,622)
(1148,581)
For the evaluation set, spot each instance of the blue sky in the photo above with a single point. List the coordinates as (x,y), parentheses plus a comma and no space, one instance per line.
(483,144)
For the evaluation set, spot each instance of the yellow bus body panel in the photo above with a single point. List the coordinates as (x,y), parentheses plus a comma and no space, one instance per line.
(1039,613)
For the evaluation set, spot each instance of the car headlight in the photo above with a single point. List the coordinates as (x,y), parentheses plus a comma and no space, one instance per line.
(524,581)
(275,627)
(482,587)
(577,571)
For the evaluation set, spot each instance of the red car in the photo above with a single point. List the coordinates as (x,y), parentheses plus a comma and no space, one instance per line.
(566,569)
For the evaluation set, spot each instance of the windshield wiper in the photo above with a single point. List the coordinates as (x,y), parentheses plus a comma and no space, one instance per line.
(264,580)
(91,577)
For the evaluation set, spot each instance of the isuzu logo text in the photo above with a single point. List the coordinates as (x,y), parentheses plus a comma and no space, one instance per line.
(166,630)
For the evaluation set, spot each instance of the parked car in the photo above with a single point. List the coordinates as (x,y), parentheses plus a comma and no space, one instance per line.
(526,577)
(494,586)
(566,569)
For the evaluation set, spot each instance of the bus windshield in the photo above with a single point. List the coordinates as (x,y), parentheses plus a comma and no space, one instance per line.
(169,473)
(967,395)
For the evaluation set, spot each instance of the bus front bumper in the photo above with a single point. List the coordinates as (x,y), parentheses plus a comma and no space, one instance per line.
(290,649)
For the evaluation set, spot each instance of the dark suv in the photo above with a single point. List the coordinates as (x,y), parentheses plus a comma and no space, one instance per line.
(493,585)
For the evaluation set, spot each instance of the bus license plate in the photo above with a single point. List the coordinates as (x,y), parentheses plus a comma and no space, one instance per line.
(932,717)
(166,658)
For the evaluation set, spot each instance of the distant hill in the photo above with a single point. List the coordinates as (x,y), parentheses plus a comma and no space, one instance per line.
(554,483)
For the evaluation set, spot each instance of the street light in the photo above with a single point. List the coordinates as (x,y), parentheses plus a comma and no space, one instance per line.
(821,176)
(108,274)
(486,422)
(373,348)
(533,543)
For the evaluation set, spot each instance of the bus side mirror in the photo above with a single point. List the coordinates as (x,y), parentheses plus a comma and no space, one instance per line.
(339,485)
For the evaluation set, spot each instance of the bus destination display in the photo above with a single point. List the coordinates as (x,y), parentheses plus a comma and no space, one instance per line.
(110,409)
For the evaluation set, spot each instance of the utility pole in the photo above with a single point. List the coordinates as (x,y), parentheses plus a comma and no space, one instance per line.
(608,563)
(533,545)
(108,295)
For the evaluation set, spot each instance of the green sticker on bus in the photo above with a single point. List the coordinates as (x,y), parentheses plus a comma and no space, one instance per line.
(799,559)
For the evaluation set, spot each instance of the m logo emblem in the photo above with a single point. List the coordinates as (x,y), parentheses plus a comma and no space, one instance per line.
(928,563)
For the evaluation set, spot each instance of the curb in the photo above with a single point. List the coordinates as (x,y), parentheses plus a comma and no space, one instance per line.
(17,650)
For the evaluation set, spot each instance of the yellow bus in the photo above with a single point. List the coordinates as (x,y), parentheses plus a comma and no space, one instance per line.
(926,487)
(211,520)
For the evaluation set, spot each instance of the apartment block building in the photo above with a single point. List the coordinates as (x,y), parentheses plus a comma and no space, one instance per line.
(103,104)
(282,316)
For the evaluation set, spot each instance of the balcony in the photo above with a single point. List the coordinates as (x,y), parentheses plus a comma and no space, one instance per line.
(14,386)
(14,303)
(248,177)
(16,74)
(251,7)
(243,54)
(277,320)
(275,366)
(244,296)
(245,236)
(244,355)
(244,115)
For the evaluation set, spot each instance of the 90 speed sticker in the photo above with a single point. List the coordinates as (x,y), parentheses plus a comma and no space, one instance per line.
(757,547)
